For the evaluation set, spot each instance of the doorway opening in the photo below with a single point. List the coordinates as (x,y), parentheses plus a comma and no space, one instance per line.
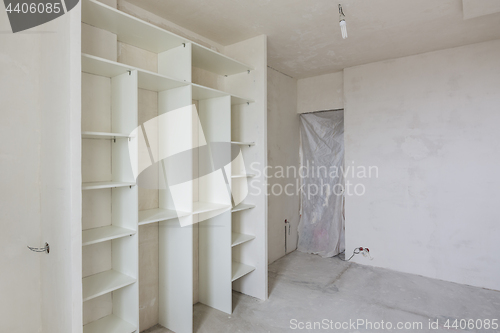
(322,224)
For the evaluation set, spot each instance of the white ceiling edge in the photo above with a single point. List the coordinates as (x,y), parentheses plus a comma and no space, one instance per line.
(477,8)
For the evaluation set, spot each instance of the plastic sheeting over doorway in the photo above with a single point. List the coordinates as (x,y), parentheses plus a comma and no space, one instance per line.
(321,228)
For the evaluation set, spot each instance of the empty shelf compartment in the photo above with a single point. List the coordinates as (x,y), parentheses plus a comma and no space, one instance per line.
(238,270)
(241,207)
(103,67)
(102,234)
(237,239)
(146,79)
(159,214)
(100,185)
(103,283)
(236,100)
(217,63)
(203,207)
(201,92)
(104,135)
(129,29)
(109,324)
(243,143)
(157,82)
(144,35)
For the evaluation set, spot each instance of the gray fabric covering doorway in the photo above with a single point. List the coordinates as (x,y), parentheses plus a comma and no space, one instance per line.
(322,226)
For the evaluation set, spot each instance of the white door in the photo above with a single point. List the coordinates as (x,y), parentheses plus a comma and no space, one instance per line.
(40,177)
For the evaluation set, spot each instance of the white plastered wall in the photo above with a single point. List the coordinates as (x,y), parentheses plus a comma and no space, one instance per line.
(429,122)
(283,151)
(41,185)
(320,93)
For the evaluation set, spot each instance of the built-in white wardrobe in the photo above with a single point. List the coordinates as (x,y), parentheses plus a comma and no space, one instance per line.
(191,168)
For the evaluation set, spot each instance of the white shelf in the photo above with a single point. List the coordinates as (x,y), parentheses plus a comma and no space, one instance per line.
(238,270)
(109,324)
(103,67)
(243,143)
(104,135)
(158,214)
(129,29)
(236,100)
(102,234)
(157,82)
(146,79)
(237,239)
(203,207)
(144,35)
(152,81)
(100,185)
(241,207)
(103,283)
(202,92)
(247,175)
(215,62)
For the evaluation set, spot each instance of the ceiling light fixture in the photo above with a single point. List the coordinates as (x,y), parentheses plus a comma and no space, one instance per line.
(343,26)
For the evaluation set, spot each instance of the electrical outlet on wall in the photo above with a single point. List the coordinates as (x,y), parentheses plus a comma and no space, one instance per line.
(287,233)
(366,253)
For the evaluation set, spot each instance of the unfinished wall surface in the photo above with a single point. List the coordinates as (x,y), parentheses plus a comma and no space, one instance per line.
(283,151)
(320,93)
(430,124)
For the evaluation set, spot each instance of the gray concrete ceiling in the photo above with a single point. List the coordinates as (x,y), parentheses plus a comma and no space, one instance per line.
(304,35)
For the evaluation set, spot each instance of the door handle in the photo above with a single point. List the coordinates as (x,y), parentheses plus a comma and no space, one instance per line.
(46,248)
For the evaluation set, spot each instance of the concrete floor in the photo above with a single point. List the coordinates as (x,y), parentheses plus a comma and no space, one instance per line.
(309,288)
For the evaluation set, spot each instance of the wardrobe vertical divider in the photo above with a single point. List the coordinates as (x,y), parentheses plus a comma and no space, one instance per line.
(125,251)
(215,227)
(176,136)
(249,125)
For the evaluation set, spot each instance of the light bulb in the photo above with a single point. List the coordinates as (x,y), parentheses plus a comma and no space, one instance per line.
(343,28)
